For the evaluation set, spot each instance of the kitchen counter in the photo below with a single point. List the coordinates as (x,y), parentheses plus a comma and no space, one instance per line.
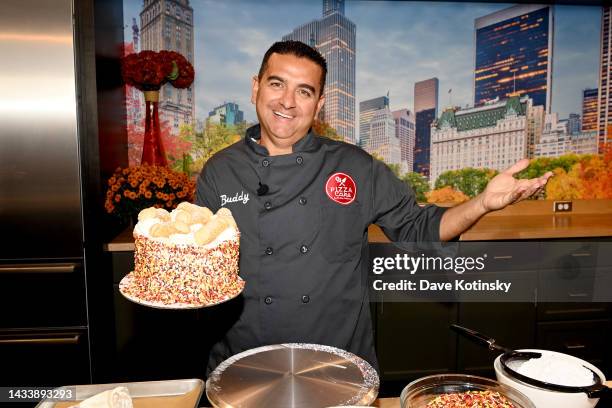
(532,219)
(535,219)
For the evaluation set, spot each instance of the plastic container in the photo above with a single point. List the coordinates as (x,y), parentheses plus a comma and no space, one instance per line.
(419,393)
(543,398)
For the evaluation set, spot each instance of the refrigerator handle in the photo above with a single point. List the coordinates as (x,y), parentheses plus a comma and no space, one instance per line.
(68,339)
(39,268)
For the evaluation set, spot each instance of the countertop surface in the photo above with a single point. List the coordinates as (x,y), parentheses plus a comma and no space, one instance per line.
(535,219)
(532,219)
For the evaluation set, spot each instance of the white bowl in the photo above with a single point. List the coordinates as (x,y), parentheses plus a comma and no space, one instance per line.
(543,398)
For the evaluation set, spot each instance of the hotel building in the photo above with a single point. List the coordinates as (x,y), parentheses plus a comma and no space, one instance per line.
(492,136)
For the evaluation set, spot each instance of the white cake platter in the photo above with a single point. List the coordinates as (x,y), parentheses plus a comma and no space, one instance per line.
(127,281)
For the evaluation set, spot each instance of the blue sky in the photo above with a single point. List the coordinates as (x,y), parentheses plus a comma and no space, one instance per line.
(398,44)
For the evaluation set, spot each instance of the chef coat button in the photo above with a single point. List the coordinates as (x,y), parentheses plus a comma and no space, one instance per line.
(269,251)
(302,201)
(268,205)
(305,299)
(299,160)
(268,300)
(265,162)
(303,249)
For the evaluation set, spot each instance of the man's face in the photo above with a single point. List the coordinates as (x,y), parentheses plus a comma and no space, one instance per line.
(287,98)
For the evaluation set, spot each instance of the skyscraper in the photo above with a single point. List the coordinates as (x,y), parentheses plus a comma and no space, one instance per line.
(514,50)
(589,110)
(382,140)
(574,124)
(168,25)
(426,109)
(334,37)
(404,131)
(367,109)
(333,6)
(228,114)
(604,117)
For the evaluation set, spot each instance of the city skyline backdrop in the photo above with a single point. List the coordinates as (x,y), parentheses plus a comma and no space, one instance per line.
(396,47)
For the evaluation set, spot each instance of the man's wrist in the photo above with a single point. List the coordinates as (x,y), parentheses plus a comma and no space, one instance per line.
(480,203)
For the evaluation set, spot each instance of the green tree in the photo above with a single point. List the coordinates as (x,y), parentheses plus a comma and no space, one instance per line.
(538,167)
(395,168)
(468,180)
(214,138)
(418,183)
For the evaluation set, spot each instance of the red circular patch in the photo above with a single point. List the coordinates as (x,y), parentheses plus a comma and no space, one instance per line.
(341,188)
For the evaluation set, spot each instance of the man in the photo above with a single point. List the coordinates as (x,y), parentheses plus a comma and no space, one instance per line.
(303,205)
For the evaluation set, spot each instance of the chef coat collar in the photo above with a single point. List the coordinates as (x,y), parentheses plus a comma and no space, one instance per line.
(253,134)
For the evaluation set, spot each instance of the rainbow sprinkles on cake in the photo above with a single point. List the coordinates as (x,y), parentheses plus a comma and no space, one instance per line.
(187,257)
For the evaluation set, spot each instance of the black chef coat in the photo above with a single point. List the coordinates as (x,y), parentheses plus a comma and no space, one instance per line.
(303,256)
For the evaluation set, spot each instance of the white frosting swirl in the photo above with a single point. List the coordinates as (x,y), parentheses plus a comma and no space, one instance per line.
(144,228)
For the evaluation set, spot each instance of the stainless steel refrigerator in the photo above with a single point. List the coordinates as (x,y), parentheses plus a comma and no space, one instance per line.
(44,330)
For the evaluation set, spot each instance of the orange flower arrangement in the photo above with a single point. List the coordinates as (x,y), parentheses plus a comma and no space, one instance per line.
(133,189)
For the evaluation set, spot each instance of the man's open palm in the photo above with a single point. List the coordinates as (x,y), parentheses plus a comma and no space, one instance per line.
(504,189)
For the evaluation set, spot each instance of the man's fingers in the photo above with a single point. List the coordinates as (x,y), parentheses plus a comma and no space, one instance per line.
(521,188)
(546,176)
(517,167)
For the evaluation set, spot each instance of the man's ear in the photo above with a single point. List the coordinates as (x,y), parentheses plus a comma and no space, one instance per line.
(320,104)
(254,89)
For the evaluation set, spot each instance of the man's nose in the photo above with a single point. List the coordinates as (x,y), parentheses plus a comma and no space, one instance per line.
(288,99)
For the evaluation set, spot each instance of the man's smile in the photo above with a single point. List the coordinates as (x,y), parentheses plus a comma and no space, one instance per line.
(283,115)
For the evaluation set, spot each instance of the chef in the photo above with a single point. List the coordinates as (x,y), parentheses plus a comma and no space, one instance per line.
(303,205)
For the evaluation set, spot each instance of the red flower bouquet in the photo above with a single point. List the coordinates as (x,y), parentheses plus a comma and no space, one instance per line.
(182,73)
(148,71)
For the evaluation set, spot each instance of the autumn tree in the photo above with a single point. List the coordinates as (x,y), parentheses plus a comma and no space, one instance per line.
(595,172)
(323,129)
(469,181)
(418,183)
(175,146)
(446,194)
(564,185)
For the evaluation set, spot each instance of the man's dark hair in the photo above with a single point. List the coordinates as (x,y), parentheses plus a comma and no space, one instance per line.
(298,49)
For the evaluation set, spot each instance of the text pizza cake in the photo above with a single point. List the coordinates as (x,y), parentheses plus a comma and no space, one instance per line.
(187,257)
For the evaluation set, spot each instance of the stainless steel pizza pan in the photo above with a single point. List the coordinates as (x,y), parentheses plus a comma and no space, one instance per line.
(293,375)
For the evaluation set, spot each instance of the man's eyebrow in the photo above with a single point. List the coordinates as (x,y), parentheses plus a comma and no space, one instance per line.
(277,78)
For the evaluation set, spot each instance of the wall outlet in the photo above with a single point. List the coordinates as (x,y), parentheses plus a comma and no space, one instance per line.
(562,206)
